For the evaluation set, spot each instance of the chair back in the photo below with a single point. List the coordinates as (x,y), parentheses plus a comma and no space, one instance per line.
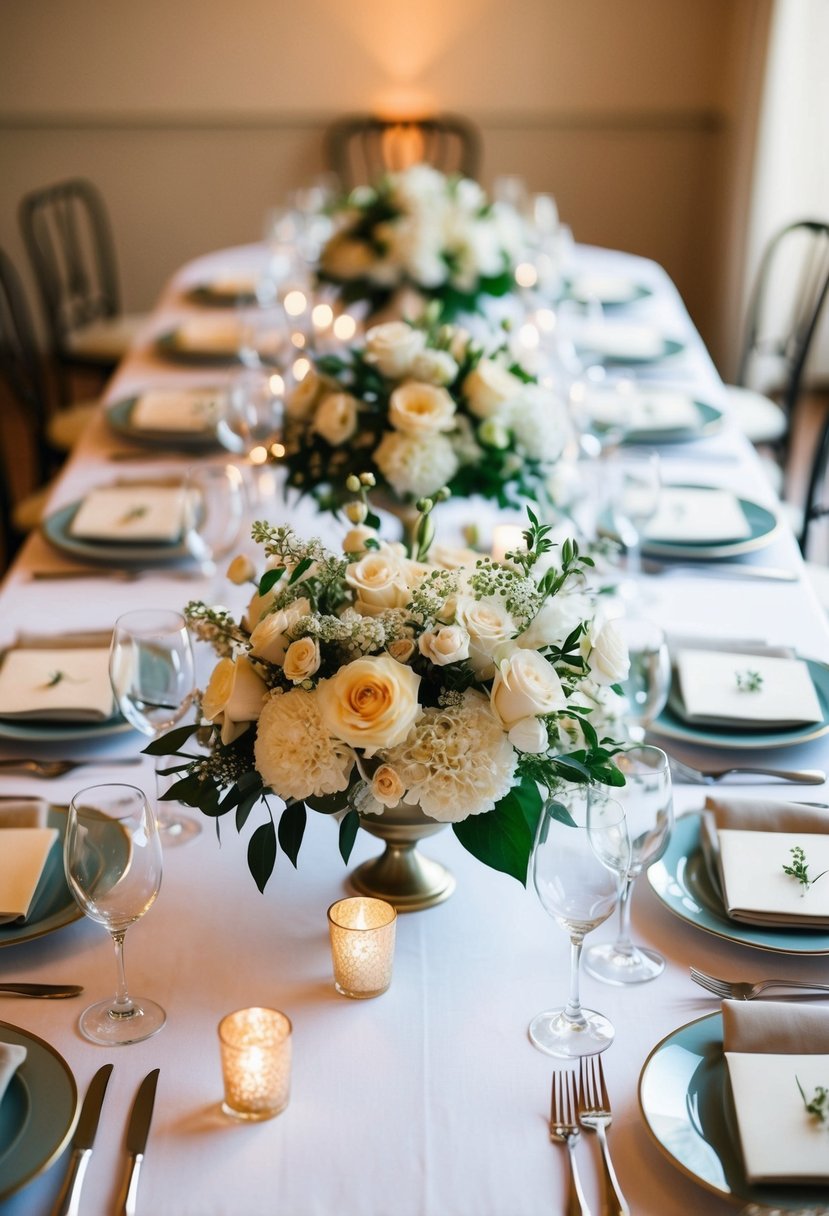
(362,147)
(21,366)
(69,241)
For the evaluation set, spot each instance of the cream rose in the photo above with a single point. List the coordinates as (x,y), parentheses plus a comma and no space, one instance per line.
(336,418)
(434,367)
(355,539)
(402,649)
(489,387)
(529,735)
(449,644)
(606,653)
(241,570)
(490,627)
(300,402)
(370,703)
(525,684)
(234,696)
(393,347)
(378,581)
(418,409)
(386,786)
(302,659)
(269,640)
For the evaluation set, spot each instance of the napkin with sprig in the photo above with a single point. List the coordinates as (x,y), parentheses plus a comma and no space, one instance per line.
(58,677)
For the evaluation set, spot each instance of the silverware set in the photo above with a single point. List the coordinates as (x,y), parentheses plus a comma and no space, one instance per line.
(709,776)
(585,1104)
(57,768)
(738,990)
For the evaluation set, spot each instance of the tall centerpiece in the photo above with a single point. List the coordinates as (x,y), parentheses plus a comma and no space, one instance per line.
(399,692)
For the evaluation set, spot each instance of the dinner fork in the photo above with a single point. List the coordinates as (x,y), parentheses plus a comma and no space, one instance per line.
(57,768)
(564,1129)
(595,1114)
(739,991)
(696,776)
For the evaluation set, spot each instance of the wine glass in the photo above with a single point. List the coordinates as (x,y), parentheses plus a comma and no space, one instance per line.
(648,802)
(648,681)
(112,859)
(152,672)
(580,855)
(634,483)
(215,507)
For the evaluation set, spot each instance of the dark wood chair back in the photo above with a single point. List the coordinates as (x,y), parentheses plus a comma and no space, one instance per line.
(362,147)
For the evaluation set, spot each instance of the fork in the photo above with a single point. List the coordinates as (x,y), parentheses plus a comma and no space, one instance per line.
(595,1114)
(695,776)
(739,991)
(564,1129)
(57,768)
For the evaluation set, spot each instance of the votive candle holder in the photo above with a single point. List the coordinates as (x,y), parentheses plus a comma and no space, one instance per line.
(255,1049)
(362,945)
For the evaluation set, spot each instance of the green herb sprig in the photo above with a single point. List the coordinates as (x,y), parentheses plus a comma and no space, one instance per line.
(818,1107)
(799,869)
(749,681)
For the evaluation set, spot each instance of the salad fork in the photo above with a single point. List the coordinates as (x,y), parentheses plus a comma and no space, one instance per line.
(739,991)
(564,1129)
(595,1114)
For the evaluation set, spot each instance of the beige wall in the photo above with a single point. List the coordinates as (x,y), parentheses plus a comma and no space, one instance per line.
(194,116)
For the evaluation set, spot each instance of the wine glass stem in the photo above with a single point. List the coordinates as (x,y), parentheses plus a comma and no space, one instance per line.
(572,1010)
(623,944)
(634,558)
(122,1006)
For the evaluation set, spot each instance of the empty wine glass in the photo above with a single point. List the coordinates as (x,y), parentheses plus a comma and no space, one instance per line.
(634,485)
(580,855)
(648,681)
(648,802)
(112,859)
(215,506)
(152,672)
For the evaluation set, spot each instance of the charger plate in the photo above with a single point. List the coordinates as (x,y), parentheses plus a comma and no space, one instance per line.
(763,526)
(57,530)
(54,906)
(119,417)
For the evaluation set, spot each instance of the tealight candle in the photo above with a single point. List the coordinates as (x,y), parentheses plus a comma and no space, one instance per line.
(256,1063)
(362,945)
(506,538)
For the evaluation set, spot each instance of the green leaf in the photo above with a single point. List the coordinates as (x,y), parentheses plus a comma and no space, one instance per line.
(559,811)
(262,854)
(326,804)
(244,809)
(349,827)
(500,838)
(571,769)
(300,568)
(269,579)
(292,829)
(169,744)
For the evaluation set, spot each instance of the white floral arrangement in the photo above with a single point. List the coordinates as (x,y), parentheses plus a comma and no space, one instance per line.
(359,682)
(423,406)
(423,230)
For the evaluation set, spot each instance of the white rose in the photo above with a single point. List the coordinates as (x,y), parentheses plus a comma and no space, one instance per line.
(459,342)
(300,402)
(529,735)
(234,696)
(421,409)
(525,684)
(302,659)
(370,703)
(269,639)
(336,418)
(449,644)
(345,258)
(606,653)
(489,387)
(393,347)
(434,367)
(378,580)
(241,570)
(490,627)
(494,434)
(555,619)
(386,786)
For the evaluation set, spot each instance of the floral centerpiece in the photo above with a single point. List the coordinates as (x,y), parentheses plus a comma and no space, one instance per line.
(422,230)
(422,407)
(357,682)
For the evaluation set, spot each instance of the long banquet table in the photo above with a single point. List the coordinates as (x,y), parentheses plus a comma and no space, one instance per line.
(429,1101)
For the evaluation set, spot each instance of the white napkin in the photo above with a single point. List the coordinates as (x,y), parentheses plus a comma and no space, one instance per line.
(769,1046)
(23,855)
(240,284)
(12,1056)
(709,693)
(135,513)
(697,515)
(64,685)
(606,288)
(195,410)
(213,334)
(640,410)
(616,341)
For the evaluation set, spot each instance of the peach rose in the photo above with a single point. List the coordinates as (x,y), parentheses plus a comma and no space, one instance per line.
(370,703)
(234,696)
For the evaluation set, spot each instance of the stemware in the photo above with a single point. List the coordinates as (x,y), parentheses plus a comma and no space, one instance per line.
(152,672)
(112,859)
(648,802)
(581,853)
(215,506)
(634,484)
(648,682)
(254,415)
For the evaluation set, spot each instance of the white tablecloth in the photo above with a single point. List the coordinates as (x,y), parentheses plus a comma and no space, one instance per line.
(429,1101)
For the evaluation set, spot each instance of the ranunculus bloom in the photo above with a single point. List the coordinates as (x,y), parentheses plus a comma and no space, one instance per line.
(336,418)
(386,786)
(378,581)
(448,644)
(302,659)
(525,684)
(393,347)
(421,409)
(234,696)
(370,703)
(606,653)
(488,387)
(269,639)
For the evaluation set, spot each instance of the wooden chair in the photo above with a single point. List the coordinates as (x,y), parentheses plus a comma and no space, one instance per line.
(362,147)
(68,238)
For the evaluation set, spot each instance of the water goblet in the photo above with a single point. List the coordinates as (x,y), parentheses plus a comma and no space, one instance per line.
(152,672)
(634,483)
(112,859)
(580,856)
(648,802)
(215,507)
(648,682)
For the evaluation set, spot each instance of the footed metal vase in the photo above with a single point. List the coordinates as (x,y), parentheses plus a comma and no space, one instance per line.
(401,875)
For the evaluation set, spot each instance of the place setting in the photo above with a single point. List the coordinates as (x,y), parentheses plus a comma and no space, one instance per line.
(160,418)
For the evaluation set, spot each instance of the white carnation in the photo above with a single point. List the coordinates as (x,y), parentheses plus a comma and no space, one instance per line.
(295,755)
(416,466)
(536,417)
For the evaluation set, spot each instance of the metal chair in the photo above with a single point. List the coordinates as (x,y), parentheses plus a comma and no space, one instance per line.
(68,238)
(362,147)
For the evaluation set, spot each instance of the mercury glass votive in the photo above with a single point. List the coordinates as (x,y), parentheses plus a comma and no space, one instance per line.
(256,1063)
(362,945)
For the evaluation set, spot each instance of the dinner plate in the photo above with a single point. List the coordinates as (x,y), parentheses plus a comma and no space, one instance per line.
(710,421)
(169,346)
(670,725)
(763,526)
(31,731)
(667,348)
(56,528)
(54,906)
(611,291)
(685,1099)
(119,417)
(680,881)
(38,1111)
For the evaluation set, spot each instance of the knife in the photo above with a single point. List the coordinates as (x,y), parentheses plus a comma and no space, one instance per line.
(69,1200)
(137,1132)
(53,992)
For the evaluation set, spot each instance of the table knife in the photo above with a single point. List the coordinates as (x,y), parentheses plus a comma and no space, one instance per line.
(69,1200)
(137,1132)
(53,992)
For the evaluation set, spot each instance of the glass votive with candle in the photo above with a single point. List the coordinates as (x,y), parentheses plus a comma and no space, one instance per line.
(255,1048)
(506,538)
(362,945)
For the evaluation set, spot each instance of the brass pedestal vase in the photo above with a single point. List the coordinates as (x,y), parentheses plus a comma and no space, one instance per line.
(401,875)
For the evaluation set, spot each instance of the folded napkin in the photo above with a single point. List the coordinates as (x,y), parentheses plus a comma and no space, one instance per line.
(746,842)
(64,684)
(23,856)
(641,410)
(697,515)
(769,1047)
(241,284)
(12,1056)
(131,513)
(621,341)
(195,410)
(606,288)
(710,689)
(23,813)
(214,334)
